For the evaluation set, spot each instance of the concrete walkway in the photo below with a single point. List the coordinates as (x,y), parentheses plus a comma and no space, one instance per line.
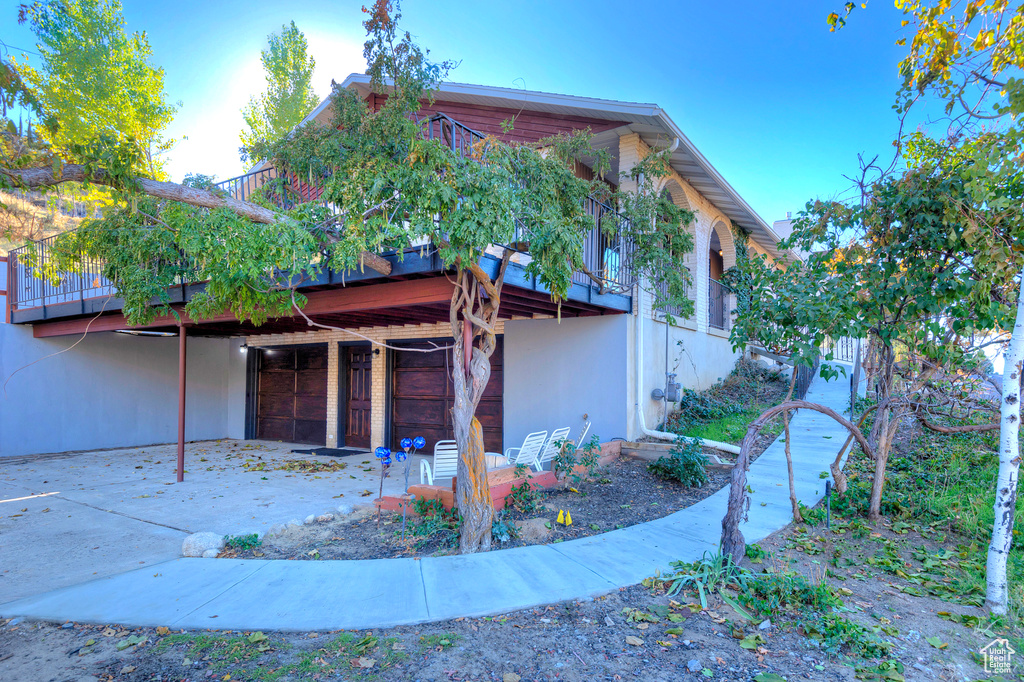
(330,595)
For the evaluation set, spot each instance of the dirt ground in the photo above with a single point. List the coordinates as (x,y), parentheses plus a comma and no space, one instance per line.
(622,494)
(579,640)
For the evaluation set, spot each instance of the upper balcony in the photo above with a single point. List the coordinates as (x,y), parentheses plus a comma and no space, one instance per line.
(37,294)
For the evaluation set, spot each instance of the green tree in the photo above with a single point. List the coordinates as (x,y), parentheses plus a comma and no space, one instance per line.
(385,186)
(289,95)
(95,81)
(967,55)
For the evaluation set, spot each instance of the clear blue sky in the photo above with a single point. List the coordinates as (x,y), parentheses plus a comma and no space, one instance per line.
(780,106)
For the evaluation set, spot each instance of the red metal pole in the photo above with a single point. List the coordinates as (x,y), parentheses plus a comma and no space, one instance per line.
(181,403)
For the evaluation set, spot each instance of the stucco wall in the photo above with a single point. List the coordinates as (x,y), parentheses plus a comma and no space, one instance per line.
(114,390)
(555,372)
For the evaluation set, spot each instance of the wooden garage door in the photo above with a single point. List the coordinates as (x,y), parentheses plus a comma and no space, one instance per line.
(421,397)
(293,395)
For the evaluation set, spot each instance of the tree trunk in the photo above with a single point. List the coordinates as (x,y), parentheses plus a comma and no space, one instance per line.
(880,433)
(733,543)
(33,178)
(997,592)
(472,490)
(476,299)
(789,455)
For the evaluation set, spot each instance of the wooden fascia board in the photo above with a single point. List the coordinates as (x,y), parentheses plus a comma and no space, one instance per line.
(346,299)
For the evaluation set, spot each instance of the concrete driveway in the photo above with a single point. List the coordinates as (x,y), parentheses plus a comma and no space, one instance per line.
(68,518)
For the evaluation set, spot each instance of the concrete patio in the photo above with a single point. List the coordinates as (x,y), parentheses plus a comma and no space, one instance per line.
(68,518)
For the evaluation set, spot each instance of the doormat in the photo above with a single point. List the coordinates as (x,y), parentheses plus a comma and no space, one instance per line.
(331,452)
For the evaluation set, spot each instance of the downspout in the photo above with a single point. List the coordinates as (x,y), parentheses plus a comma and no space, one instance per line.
(661,435)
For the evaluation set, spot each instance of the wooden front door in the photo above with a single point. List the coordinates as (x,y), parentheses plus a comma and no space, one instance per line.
(292,395)
(359,361)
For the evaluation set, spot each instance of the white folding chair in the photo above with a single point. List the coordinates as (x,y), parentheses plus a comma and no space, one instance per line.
(551,448)
(446,462)
(528,453)
(586,430)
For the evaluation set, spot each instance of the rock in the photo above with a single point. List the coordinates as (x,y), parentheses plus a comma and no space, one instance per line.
(608,621)
(694,666)
(325,518)
(67,626)
(294,524)
(211,554)
(197,543)
(510,677)
(918,666)
(634,641)
(276,529)
(765,624)
(309,519)
(533,530)
(348,509)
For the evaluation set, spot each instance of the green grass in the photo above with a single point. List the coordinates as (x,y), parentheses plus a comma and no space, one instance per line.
(238,653)
(731,428)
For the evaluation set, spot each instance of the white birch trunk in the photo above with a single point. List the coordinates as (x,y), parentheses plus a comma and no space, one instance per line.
(997,592)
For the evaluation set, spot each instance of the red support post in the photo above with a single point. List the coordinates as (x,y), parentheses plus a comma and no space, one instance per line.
(181,403)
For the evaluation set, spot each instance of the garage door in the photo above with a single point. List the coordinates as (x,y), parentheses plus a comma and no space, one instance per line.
(422,397)
(293,395)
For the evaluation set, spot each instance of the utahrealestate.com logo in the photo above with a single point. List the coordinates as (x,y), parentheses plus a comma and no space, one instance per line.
(998,656)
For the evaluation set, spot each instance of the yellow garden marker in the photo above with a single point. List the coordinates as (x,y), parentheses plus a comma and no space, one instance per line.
(561,517)
(568,519)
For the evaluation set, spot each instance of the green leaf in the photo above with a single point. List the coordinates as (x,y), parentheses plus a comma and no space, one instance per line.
(752,641)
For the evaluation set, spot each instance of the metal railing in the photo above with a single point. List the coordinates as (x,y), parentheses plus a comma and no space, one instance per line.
(34,280)
(457,137)
(607,254)
(843,349)
(661,290)
(804,375)
(718,305)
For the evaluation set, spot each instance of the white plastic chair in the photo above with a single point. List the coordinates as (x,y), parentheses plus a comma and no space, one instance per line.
(530,450)
(551,448)
(586,430)
(446,462)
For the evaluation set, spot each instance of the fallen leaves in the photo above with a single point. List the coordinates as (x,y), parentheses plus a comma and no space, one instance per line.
(634,641)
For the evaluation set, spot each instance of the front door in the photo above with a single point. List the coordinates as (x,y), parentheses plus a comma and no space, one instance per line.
(359,361)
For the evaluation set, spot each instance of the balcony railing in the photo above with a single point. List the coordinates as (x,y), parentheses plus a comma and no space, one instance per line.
(607,258)
(35,280)
(718,305)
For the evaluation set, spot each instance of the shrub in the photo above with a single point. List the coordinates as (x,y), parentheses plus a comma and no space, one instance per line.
(522,497)
(242,543)
(434,520)
(502,529)
(569,457)
(686,463)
